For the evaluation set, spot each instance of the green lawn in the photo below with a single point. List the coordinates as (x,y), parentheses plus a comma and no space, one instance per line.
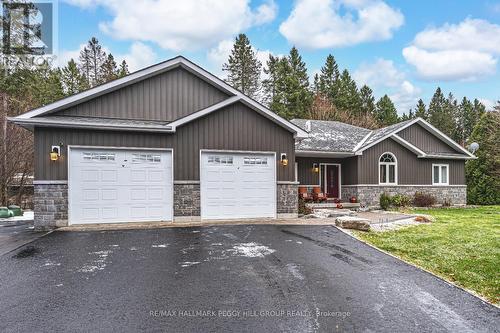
(462,246)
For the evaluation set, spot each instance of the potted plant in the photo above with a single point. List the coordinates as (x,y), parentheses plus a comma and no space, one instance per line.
(353,199)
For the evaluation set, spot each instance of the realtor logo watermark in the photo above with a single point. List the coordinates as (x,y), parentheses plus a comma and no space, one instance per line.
(28,32)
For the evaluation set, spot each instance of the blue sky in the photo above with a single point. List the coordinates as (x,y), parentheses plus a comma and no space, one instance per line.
(403,48)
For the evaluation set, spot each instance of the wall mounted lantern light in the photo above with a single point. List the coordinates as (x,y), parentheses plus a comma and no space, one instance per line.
(315,167)
(283,159)
(55,153)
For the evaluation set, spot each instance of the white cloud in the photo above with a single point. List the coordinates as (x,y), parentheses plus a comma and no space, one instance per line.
(180,25)
(139,56)
(320,24)
(488,103)
(465,51)
(385,78)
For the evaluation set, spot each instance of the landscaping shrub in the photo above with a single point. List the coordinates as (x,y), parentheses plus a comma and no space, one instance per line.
(401,200)
(446,202)
(423,199)
(385,201)
(303,209)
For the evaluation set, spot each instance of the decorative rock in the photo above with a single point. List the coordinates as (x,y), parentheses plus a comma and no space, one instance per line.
(352,222)
(340,212)
(309,216)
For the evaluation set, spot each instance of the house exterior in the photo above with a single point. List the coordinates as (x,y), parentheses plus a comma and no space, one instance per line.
(347,161)
(169,142)
(173,142)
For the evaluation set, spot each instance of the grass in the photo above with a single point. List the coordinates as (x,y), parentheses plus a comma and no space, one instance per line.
(462,246)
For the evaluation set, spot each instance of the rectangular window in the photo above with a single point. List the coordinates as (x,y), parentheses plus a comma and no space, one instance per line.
(151,158)
(255,160)
(383,174)
(95,156)
(392,173)
(440,174)
(224,160)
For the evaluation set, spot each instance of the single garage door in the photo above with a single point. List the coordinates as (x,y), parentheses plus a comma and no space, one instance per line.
(119,185)
(238,185)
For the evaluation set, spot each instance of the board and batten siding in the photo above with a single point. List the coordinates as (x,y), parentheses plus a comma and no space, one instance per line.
(165,97)
(306,176)
(411,170)
(235,127)
(426,141)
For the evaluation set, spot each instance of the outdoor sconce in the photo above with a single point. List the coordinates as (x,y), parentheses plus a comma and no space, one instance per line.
(55,152)
(315,167)
(284,159)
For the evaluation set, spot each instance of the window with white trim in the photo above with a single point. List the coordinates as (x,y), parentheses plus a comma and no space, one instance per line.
(151,158)
(388,169)
(225,160)
(255,160)
(440,174)
(97,156)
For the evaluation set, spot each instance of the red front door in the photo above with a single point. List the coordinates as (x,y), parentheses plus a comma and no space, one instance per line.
(332,181)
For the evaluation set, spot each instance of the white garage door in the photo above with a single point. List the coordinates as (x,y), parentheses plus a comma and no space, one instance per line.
(117,185)
(237,185)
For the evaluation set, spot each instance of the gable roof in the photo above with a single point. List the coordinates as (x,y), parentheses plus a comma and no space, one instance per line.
(31,118)
(329,135)
(337,137)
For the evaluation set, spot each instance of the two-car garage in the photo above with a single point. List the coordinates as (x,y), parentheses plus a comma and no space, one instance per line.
(110,185)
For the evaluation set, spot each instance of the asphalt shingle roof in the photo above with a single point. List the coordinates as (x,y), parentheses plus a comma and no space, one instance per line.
(330,136)
(381,132)
(106,121)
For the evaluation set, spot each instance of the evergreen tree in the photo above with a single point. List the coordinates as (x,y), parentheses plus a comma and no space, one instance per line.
(92,57)
(367,100)
(243,67)
(270,83)
(441,112)
(72,80)
(316,86)
(328,79)
(386,113)
(348,96)
(109,70)
(408,116)
(497,106)
(483,173)
(421,110)
(123,71)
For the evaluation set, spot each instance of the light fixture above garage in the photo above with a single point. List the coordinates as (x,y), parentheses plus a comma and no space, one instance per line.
(284,159)
(55,152)
(315,167)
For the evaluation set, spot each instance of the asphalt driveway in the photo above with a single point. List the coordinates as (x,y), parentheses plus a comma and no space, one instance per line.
(256,278)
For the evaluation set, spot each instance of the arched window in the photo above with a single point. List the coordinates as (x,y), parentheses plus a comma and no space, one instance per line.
(388,169)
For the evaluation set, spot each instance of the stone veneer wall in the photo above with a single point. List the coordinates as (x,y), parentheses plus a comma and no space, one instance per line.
(51,206)
(287,204)
(369,195)
(187,200)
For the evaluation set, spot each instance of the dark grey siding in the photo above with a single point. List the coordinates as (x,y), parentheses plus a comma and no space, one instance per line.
(423,139)
(411,170)
(306,176)
(167,96)
(235,127)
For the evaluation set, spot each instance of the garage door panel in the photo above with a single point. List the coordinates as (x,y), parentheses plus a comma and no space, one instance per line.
(108,186)
(237,185)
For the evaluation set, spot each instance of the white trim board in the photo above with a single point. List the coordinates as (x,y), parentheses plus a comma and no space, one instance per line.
(402,185)
(155,70)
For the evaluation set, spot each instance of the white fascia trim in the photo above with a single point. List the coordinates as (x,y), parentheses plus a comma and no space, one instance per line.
(203,112)
(316,153)
(362,141)
(444,137)
(85,125)
(402,185)
(437,156)
(359,152)
(408,145)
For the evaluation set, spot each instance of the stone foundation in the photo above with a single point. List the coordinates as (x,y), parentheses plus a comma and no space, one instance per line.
(187,200)
(287,205)
(51,206)
(370,195)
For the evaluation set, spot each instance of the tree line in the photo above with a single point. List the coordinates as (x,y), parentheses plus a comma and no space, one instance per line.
(333,94)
